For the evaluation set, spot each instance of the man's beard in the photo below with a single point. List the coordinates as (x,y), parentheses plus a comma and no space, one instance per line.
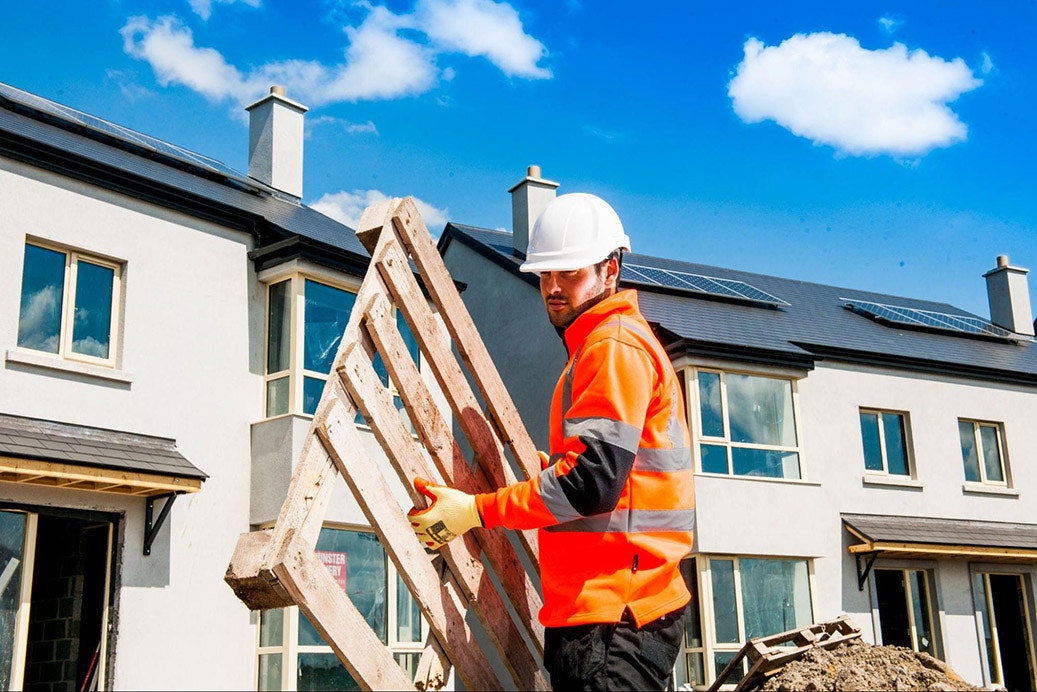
(563,321)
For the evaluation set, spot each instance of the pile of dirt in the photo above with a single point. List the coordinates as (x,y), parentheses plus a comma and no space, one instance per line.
(857,665)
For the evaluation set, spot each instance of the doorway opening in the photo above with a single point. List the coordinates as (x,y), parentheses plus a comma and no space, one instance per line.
(1006,617)
(57,599)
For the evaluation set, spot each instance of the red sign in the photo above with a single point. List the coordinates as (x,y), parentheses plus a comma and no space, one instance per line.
(335,563)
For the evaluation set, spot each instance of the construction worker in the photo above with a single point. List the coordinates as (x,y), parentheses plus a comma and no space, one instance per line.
(614,502)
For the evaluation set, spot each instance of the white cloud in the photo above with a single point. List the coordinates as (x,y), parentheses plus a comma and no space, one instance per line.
(483,28)
(890,24)
(388,55)
(829,89)
(203,8)
(349,126)
(347,207)
(988,64)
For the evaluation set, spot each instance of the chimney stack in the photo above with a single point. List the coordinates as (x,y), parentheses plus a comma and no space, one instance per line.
(1008,293)
(529,197)
(275,138)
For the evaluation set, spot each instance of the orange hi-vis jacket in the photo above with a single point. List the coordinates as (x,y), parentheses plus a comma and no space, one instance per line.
(615,506)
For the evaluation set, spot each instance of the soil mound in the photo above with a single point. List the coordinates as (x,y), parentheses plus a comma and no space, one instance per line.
(857,665)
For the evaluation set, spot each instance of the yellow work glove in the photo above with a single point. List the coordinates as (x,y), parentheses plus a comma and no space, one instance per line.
(451,513)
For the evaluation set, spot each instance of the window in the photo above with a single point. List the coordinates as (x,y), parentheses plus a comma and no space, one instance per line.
(752,597)
(982,452)
(746,425)
(885,435)
(302,343)
(292,654)
(69,305)
(689,669)
(904,605)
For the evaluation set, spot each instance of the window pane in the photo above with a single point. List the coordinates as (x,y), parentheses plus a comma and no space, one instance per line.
(720,661)
(269,672)
(920,604)
(326,314)
(271,627)
(724,616)
(408,615)
(92,322)
(693,625)
(408,336)
(872,444)
(696,675)
(12,540)
(896,443)
(991,453)
(324,672)
(714,459)
(312,389)
(760,410)
(967,434)
(979,586)
(279,328)
(43,288)
(366,572)
(764,462)
(775,596)
(710,411)
(277,397)
(409,663)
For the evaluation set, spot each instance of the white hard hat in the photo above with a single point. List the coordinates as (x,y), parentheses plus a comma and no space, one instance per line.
(574,231)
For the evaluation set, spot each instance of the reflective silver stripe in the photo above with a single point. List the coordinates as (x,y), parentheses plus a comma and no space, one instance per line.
(663,460)
(673,427)
(636,328)
(615,432)
(554,497)
(631,521)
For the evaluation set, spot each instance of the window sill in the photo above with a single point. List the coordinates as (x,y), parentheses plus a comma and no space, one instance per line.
(759,479)
(53,362)
(905,482)
(980,489)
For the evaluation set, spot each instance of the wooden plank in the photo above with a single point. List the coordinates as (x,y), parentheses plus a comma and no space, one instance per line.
(416,239)
(433,666)
(463,555)
(446,615)
(52,473)
(437,439)
(354,642)
(400,218)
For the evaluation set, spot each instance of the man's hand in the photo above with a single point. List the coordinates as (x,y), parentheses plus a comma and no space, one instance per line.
(451,513)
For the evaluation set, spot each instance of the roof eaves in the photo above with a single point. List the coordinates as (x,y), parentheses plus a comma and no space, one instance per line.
(509,263)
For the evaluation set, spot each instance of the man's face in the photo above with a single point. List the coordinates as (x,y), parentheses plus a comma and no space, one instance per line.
(567,294)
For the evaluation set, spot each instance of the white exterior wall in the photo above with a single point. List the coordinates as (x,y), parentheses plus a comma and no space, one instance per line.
(191,341)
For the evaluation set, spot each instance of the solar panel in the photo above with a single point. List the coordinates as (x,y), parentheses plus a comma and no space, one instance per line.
(698,283)
(90,122)
(928,319)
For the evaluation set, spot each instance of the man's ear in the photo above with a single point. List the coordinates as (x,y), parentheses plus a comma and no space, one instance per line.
(612,273)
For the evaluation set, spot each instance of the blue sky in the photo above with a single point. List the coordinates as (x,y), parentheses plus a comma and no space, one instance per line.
(880,146)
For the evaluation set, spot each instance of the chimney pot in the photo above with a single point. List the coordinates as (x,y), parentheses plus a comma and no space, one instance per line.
(277,89)
(529,197)
(1002,261)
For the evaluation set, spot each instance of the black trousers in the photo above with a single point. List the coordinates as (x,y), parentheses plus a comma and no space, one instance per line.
(617,656)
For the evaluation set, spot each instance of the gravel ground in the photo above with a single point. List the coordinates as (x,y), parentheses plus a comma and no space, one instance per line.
(857,665)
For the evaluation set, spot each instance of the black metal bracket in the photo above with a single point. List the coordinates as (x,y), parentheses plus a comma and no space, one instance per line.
(862,574)
(152,525)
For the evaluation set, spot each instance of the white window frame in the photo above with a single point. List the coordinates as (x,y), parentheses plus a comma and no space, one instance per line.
(68,307)
(909,457)
(289,648)
(295,373)
(1002,450)
(705,575)
(695,421)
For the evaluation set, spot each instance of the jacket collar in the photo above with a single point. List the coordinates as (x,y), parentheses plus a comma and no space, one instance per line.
(624,302)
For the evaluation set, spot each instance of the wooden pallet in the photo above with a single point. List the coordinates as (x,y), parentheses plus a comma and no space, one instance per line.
(767,654)
(277,567)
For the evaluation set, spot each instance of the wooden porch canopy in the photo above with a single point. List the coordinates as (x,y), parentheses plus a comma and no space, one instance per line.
(53,454)
(936,538)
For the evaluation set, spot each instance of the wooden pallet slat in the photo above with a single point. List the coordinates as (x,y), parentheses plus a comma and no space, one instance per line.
(277,567)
